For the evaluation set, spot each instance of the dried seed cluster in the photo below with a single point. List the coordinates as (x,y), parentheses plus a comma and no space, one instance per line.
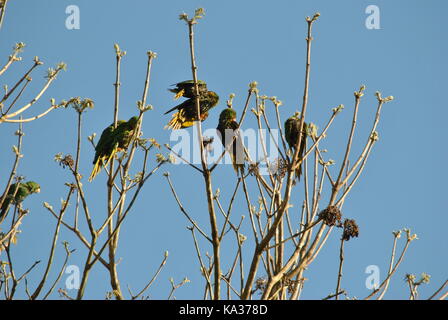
(67,161)
(351,229)
(331,216)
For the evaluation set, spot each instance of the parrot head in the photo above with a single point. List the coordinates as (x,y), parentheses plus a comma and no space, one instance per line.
(292,122)
(294,117)
(295,121)
(228,114)
(213,98)
(32,186)
(132,123)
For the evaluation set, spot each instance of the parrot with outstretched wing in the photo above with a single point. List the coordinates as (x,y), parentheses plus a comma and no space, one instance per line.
(113,140)
(187,113)
(23,191)
(228,132)
(292,132)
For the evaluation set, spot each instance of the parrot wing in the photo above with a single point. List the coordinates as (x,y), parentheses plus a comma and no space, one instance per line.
(187,104)
(23,191)
(122,136)
(292,134)
(186,89)
(8,199)
(104,150)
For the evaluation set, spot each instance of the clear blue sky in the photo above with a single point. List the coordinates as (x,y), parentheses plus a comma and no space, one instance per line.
(404,184)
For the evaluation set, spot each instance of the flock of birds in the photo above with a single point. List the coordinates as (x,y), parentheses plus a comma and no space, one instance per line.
(116,138)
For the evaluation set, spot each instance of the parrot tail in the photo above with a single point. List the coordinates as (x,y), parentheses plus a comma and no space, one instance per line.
(100,163)
(299,172)
(96,169)
(177,121)
(4,208)
(236,166)
(301,154)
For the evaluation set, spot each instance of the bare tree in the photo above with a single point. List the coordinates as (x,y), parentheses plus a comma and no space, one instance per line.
(282,241)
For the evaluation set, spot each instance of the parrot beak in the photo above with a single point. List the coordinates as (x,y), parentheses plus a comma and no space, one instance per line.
(38,190)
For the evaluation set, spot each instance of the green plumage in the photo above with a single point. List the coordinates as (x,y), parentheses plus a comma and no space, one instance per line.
(23,191)
(112,141)
(292,134)
(227,130)
(187,112)
(124,132)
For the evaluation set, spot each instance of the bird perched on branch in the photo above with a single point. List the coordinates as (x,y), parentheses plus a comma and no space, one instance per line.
(292,134)
(228,132)
(113,140)
(23,191)
(187,112)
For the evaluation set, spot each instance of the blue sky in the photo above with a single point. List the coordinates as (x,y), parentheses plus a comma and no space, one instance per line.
(239,42)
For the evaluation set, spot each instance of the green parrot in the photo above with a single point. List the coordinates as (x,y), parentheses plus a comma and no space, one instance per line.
(292,129)
(113,141)
(23,191)
(227,129)
(187,113)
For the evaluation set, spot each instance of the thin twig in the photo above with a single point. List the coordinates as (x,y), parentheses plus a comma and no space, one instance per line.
(341,262)
(61,272)
(438,290)
(182,209)
(53,246)
(162,264)
(206,172)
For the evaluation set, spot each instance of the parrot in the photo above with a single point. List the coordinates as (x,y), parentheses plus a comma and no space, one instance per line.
(186,114)
(23,191)
(292,128)
(227,129)
(113,140)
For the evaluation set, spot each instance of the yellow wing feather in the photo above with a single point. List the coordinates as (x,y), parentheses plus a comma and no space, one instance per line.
(100,163)
(178,121)
(179,94)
